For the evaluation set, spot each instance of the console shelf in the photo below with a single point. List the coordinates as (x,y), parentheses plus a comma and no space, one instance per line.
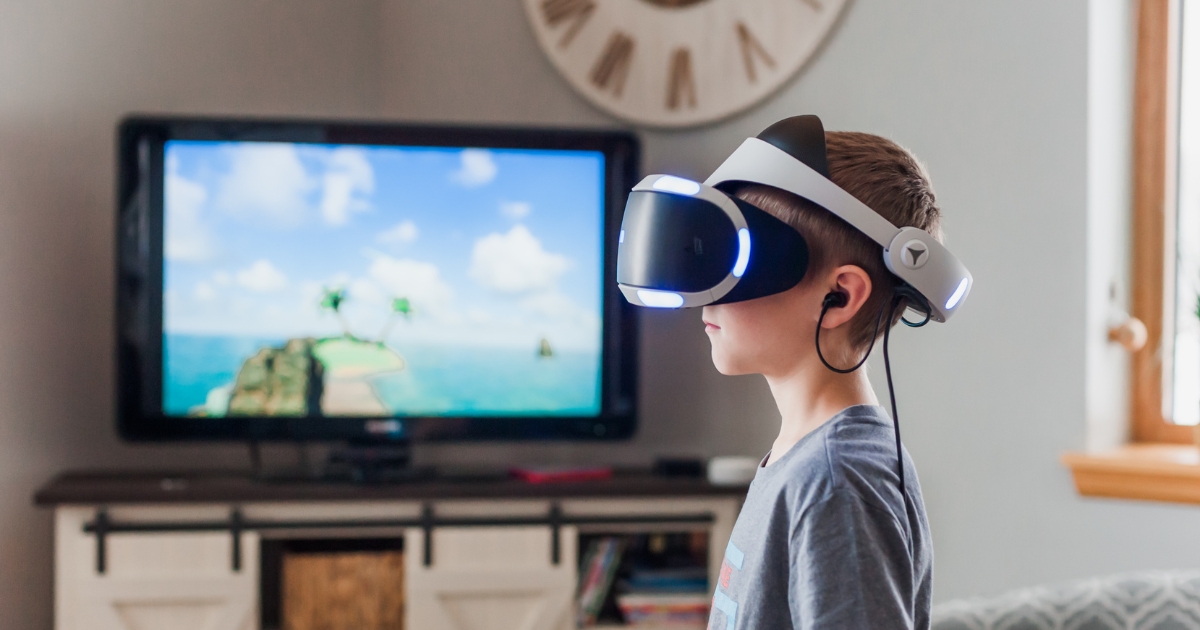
(92,488)
(130,547)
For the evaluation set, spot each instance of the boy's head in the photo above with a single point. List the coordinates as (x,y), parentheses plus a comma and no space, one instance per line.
(769,334)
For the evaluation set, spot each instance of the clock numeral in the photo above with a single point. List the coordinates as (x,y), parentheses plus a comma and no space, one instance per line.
(612,67)
(576,11)
(681,83)
(815,4)
(751,46)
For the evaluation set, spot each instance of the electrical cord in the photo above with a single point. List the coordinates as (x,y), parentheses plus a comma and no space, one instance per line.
(887,369)
(917,324)
(838,300)
(902,295)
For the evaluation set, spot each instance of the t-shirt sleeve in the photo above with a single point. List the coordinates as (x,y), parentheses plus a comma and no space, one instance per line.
(850,567)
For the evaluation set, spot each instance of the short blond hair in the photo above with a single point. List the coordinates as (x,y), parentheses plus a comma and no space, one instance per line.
(879,173)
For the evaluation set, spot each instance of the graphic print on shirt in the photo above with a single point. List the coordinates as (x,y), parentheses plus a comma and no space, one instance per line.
(721,601)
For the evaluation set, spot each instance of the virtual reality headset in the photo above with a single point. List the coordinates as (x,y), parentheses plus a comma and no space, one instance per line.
(685,244)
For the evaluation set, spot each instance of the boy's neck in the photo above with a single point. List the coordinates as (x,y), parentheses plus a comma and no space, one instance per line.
(810,396)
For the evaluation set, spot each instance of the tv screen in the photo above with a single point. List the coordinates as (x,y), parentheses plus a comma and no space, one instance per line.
(313,280)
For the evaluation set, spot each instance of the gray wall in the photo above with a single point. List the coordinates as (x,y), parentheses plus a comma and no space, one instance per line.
(993,96)
(68,71)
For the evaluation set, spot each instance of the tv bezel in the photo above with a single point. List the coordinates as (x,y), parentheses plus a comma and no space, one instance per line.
(139,288)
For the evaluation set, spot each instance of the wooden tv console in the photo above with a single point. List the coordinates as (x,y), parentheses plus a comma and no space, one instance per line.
(183,551)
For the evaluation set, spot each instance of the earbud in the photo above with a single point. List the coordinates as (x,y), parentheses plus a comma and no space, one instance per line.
(835,299)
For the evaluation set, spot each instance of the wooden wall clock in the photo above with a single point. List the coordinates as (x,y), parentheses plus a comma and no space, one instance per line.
(675,63)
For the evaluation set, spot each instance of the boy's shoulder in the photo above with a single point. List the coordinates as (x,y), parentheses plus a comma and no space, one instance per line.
(854,451)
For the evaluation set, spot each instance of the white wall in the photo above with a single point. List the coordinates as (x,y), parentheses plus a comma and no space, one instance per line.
(1021,132)
(68,70)
(1112,40)
(995,97)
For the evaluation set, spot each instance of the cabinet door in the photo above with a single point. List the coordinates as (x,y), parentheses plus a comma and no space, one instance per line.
(181,581)
(490,579)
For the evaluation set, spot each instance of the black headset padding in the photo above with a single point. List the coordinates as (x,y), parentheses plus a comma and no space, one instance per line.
(802,137)
(778,256)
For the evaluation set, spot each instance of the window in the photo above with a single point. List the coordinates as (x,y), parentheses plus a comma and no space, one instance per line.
(1161,464)
(1185,358)
(1166,225)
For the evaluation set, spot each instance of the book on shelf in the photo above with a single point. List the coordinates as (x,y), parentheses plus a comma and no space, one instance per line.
(664,609)
(664,597)
(596,574)
(668,580)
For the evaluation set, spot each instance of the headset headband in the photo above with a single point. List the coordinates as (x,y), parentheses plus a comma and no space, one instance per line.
(783,156)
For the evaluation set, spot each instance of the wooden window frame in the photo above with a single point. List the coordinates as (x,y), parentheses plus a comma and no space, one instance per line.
(1155,162)
(1162,460)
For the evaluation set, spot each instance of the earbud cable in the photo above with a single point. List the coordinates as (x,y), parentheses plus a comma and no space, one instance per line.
(890,310)
(874,336)
(887,369)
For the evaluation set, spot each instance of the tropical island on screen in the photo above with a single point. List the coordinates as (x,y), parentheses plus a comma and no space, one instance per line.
(338,280)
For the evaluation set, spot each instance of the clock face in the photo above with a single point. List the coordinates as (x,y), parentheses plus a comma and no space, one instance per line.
(675,63)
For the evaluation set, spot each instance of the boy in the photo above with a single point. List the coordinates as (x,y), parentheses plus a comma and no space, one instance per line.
(825,539)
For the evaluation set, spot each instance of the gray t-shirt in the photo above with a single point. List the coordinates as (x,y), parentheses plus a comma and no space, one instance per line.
(825,540)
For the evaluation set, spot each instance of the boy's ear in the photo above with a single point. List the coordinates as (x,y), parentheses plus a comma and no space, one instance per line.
(852,282)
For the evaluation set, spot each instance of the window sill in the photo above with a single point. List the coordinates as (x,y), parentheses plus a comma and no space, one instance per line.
(1148,472)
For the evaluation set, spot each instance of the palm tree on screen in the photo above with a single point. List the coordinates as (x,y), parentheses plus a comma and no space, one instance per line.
(332,300)
(401,309)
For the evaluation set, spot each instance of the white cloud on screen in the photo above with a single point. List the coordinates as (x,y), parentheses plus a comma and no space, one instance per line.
(402,233)
(266,181)
(366,291)
(187,238)
(476,168)
(205,291)
(563,311)
(311,292)
(348,177)
(515,210)
(420,282)
(222,278)
(515,262)
(262,277)
(553,305)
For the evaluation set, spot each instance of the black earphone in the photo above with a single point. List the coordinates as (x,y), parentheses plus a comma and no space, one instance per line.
(835,299)
(838,299)
(902,295)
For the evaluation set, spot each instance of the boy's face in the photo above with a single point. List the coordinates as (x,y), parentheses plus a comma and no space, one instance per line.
(774,335)
(763,336)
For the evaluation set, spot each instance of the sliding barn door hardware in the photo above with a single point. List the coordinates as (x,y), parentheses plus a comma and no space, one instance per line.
(102,525)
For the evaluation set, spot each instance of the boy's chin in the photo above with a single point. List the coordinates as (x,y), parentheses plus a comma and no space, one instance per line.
(729,366)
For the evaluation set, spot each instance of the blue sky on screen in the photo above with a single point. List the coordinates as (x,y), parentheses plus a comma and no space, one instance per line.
(492,247)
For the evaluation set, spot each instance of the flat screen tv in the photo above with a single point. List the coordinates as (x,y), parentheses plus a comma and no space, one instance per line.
(297,280)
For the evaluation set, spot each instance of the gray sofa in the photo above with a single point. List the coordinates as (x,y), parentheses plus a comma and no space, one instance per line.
(1142,601)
